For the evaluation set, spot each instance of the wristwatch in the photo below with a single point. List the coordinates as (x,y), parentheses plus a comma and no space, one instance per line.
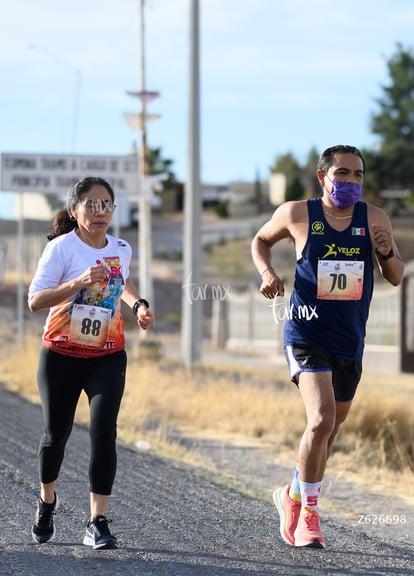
(138,304)
(387,256)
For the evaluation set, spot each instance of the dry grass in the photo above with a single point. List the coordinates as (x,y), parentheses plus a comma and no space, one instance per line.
(385,423)
(228,260)
(376,444)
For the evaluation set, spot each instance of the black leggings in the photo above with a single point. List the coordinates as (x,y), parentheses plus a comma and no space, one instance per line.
(61,380)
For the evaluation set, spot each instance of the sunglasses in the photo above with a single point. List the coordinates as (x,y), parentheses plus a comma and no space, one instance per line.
(98,206)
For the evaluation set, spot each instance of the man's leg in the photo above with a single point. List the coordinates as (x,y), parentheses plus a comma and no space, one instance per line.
(320,406)
(342,411)
(322,410)
(318,397)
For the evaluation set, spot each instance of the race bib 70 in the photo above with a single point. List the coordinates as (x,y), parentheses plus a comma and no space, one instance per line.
(340,280)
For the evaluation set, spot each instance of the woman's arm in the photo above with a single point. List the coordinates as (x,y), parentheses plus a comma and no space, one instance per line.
(49,297)
(145,317)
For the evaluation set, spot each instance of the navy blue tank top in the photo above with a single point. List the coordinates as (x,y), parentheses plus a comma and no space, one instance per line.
(333,286)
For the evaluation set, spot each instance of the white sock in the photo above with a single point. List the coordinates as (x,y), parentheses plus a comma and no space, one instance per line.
(310,494)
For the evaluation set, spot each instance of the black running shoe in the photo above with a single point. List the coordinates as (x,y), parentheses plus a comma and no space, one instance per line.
(99,536)
(43,529)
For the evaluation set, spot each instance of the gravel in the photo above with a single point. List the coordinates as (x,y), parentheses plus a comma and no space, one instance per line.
(174,519)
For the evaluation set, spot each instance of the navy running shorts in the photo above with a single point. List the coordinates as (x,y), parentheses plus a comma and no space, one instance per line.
(346,374)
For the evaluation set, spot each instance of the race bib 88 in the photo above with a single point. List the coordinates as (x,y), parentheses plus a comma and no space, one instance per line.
(89,325)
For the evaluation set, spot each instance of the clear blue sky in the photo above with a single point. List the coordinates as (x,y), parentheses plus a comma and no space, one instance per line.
(276,76)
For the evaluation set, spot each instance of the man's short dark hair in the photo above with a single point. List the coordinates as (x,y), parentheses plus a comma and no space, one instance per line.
(326,159)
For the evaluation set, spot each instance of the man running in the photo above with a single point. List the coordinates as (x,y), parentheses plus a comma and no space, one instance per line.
(337,238)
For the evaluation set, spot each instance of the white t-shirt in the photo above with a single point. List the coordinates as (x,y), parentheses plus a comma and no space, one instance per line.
(89,324)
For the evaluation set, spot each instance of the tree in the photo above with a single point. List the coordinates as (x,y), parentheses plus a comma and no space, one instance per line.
(258,191)
(373,178)
(394,123)
(309,173)
(295,189)
(160,165)
(286,164)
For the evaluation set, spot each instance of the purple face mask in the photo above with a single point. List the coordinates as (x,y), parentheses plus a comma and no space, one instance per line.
(345,194)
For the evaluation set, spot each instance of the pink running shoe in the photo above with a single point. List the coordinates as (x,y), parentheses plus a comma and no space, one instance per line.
(308,531)
(289,512)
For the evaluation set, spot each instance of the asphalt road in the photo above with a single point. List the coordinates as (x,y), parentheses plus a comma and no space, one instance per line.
(170,519)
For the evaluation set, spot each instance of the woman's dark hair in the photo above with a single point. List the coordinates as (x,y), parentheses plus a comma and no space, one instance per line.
(326,159)
(64,222)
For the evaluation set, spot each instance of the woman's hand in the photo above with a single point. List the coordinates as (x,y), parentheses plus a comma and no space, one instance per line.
(93,275)
(145,317)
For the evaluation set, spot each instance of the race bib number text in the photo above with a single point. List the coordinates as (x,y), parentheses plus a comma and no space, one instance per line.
(89,325)
(340,280)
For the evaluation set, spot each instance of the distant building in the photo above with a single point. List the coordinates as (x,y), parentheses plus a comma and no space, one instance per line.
(277,188)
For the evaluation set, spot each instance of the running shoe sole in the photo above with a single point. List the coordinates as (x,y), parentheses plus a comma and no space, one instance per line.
(315,544)
(90,541)
(282,515)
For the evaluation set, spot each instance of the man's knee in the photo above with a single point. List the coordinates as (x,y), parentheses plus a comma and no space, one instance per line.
(322,425)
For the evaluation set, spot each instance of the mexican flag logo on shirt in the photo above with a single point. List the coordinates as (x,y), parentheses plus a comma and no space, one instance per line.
(358,231)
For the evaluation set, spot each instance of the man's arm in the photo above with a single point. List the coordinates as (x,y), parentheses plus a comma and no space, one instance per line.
(274,230)
(388,257)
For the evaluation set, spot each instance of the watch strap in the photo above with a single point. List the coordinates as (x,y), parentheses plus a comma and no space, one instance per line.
(386,256)
(138,304)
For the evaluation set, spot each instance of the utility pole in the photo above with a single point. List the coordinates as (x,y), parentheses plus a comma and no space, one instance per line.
(192,306)
(139,122)
(144,214)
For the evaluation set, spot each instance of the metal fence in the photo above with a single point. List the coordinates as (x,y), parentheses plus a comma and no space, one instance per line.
(33,245)
(247,320)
